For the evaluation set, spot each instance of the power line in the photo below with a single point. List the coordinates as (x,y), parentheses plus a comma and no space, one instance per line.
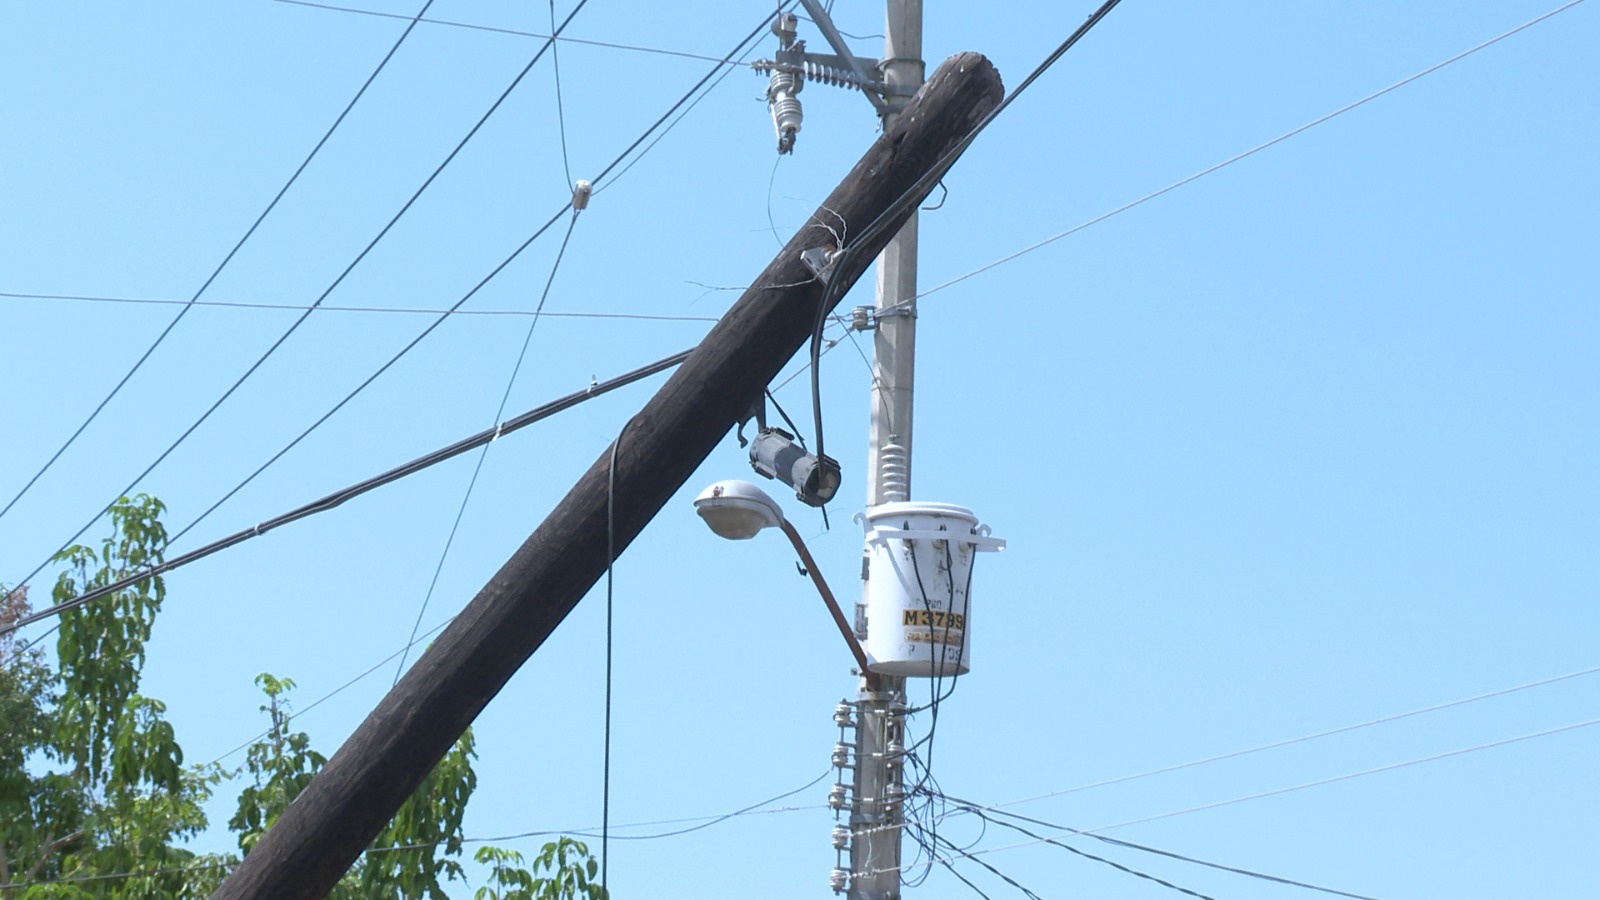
(707,821)
(729,61)
(1381,720)
(500,411)
(300,320)
(416,639)
(1094,832)
(493,273)
(1252,151)
(339,497)
(532,34)
(561,110)
(1129,870)
(237,304)
(914,194)
(1346,777)
(249,232)
(212,548)
(980,811)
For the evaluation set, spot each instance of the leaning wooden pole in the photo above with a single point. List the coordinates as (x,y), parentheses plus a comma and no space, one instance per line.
(328,826)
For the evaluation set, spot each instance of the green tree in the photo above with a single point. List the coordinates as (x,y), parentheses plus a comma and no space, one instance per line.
(107,791)
(97,804)
(568,873)
(419,846)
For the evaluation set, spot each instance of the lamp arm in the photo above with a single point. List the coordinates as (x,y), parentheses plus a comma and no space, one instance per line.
(833,605)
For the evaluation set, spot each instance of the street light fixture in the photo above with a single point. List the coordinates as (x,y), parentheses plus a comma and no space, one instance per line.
(738,511)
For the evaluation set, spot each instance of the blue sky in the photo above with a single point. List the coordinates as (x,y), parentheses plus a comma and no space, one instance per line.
(1308,442)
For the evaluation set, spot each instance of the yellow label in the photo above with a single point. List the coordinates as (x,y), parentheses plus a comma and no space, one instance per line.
(934,618)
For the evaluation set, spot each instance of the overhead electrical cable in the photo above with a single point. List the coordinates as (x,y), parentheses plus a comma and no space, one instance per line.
(1252,151)
(1346,777)
(249,232)
(848,248)
(1381,720)
(983,812)
(532,34)
(561,110)
(1125,869)
(300,320)
(500,411)
(707,821)
(727,67)
(469,294)
(948,863)
(232,304)
(295,714)
(339,497)
(216,546)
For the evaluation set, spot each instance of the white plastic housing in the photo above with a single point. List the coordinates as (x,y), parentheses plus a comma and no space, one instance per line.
(919,578)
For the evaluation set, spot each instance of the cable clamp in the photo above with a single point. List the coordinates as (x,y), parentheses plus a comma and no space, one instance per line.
(820,261)
(581,192)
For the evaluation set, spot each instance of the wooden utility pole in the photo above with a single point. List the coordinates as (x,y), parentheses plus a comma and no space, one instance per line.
(306,852)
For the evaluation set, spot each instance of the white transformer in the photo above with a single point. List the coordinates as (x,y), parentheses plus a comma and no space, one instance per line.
(919,579)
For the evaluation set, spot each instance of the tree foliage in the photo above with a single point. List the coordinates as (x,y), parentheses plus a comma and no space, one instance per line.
(96,802)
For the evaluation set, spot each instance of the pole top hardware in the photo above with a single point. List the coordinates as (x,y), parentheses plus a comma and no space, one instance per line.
(792,65)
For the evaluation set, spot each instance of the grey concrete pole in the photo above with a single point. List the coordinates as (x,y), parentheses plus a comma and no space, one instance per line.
(878,811)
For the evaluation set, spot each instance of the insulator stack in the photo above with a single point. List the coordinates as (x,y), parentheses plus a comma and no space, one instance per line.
(894,473)
(831,75)
(786,112)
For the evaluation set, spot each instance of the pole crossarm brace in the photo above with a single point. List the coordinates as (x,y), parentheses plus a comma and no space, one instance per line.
(305,853)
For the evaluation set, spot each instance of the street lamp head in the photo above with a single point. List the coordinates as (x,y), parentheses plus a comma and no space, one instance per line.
(737,510)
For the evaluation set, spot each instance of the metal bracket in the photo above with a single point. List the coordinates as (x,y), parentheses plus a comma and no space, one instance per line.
(820,261)
(840,68)
(836,40)
(865,318)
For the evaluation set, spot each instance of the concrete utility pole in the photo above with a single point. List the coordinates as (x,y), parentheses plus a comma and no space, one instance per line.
(307,850)
(878,812)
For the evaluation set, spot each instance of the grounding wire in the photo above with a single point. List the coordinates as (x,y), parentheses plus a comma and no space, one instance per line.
(249,232)
(300,320)
(499,413)
(481,283)
(611,562)
(362,487)
(980,811)
(229,304)
(1253,150)
(533,34)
